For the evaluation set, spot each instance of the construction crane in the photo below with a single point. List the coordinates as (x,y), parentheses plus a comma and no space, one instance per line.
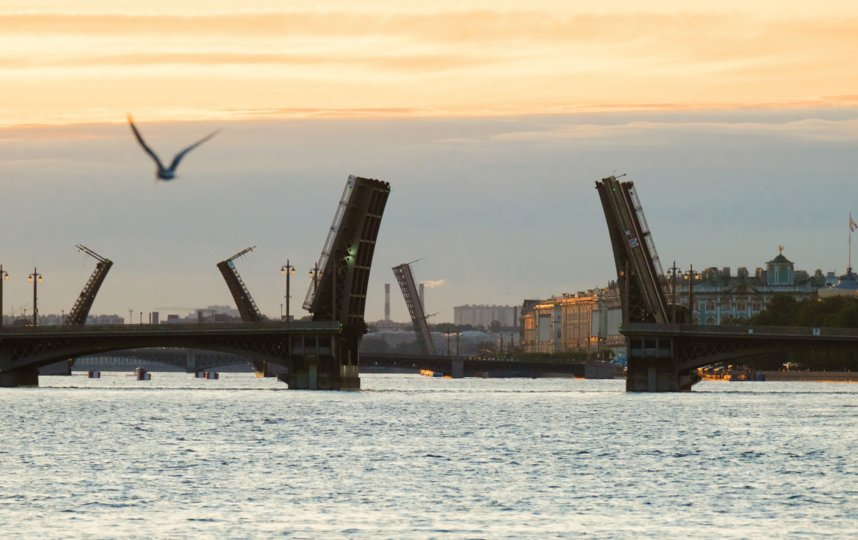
(243,301)
(415,308)
(83,304)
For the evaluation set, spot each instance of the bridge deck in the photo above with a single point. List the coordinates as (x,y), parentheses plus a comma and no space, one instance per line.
(821,334)
(195,329)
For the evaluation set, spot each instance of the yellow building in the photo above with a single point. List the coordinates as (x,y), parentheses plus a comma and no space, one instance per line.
(583,322)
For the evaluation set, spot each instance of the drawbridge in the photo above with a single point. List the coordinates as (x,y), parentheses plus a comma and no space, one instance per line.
(243,300)
(340,282)
(405,278)
(638,268)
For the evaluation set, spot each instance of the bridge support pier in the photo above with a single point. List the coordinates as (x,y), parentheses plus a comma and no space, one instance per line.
(653,368)
(312,372)
(19,377)
(457,368)
(651,375)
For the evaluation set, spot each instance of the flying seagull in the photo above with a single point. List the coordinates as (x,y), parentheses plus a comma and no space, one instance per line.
(167,173)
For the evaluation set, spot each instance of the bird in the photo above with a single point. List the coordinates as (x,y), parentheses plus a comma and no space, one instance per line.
(166,173)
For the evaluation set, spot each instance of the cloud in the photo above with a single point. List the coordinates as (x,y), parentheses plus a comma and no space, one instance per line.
(451,61)
(641,131)
(434,283)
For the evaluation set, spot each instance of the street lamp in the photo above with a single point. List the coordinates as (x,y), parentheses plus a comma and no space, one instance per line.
(4,276)
(35,278)
(287,270)
(691,276)
(314,275)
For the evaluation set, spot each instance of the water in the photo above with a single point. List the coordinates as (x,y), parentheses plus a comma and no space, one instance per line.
(417,457)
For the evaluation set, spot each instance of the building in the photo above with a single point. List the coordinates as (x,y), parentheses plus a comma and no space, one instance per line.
(846,285)
(719,297)
(484,315)
(589,322)
(585,322)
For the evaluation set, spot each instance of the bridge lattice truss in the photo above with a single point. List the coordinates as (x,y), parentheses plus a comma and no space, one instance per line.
(415,308)
(80,311)
(694,346)
(258,342)
(247,308)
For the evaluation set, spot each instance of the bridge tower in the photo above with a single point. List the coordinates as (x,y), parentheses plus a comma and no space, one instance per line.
(651,363)
(415,307)
(243,301)
(340,280)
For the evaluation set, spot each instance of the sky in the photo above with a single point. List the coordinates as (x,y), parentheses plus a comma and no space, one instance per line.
(737,121)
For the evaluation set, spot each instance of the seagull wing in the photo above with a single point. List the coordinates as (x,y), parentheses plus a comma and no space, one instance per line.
(143,143)
(181,154)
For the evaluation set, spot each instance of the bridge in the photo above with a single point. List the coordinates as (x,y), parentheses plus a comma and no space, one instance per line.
(318,354)
(25,349)
(664,351)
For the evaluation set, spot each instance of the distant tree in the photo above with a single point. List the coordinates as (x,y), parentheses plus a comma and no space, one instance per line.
(446,328)
(780,311)
(495,327)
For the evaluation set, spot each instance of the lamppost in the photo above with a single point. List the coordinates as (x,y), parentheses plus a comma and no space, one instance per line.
(4,276)
(672,273)
(314,275)
(288,270)
(35,278)
(692,276)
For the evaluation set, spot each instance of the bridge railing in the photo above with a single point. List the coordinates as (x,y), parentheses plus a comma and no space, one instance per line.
(810,331)
(289,326)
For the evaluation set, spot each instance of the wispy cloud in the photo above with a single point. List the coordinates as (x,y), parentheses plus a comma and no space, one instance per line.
(453,61)
(434,283)
(641,132)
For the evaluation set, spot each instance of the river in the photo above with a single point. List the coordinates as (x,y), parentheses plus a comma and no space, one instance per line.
(419,457)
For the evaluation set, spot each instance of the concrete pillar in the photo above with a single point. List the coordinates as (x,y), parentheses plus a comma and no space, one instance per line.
(313,373)
(19,377)
(457,368)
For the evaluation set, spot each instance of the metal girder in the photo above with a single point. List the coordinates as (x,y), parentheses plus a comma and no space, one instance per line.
(274,342)
(415,308)
(80,311)
(243,300)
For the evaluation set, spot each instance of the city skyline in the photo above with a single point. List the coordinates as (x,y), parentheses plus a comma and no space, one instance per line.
(491,121)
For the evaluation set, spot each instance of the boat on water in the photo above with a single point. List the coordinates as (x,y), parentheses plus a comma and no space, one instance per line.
(730,373)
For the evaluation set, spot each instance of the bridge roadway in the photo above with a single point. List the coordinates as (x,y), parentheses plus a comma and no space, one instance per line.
(694,346)
(23,350)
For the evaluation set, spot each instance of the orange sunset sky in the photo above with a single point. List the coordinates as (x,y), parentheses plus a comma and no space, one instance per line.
(92,60)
